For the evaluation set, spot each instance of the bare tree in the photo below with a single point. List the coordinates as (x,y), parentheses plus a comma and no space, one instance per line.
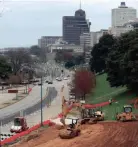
(18,58)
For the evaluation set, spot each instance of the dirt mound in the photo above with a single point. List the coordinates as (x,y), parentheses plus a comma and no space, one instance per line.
(104,134)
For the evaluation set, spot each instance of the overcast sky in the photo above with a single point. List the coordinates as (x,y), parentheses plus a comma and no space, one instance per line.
(24,21)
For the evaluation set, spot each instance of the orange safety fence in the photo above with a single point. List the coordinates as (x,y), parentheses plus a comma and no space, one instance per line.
(15,137)
(87,106)
(29,90)
(48,122)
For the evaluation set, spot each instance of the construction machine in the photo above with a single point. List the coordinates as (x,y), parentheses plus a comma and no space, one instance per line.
(126,115)
(19,125)
(72,130)
(99,115)
(91,116)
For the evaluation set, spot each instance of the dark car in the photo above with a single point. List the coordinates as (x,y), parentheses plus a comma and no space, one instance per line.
(40,84)
(50,82)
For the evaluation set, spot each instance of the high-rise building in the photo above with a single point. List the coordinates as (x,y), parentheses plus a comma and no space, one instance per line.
(74,26)
(122,15)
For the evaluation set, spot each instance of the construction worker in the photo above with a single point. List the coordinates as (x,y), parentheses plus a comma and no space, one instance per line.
(110,101)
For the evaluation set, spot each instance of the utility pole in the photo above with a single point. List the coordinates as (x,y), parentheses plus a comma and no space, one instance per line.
(41,103)
(0,133)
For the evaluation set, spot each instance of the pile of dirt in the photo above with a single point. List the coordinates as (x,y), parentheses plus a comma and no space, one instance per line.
(104,134)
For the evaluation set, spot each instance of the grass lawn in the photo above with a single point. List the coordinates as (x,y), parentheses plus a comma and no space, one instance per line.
(103,92)
(120,100)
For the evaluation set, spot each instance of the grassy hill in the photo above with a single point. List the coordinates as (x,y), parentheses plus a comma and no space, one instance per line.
(103,92)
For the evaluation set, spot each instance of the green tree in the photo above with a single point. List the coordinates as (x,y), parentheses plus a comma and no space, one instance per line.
(122,62)
(35,50)
(69,64)
(100,52)
(5,68)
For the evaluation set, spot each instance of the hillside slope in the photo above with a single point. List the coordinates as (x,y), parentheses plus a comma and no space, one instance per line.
(104,134)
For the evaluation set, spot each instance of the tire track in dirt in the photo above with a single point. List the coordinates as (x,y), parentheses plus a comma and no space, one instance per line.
(104,134)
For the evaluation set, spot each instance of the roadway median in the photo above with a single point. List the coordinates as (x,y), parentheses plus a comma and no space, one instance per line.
(13,96)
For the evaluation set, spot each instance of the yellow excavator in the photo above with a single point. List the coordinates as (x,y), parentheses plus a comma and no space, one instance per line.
(72,130)
(86,116)
(127,115)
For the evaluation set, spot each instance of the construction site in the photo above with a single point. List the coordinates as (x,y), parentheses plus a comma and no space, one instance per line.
(85,125)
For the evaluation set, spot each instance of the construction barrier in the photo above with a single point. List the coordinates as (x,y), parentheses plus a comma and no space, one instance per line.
(12,91)
(17,136)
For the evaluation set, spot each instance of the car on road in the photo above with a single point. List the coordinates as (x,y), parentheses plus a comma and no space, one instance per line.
(58,79)
(46,81)
(40,84)
(50,82)
(65,78)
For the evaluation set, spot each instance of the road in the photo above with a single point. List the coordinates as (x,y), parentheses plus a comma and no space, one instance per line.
(34,98)
(48,112)
(30,100)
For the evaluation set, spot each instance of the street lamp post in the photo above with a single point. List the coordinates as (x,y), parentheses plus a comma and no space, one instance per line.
(41,103)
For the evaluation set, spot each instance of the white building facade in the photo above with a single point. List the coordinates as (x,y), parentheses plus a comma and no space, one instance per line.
(120,17)
(85,40)
(44,41)
(90,39)
(75,48)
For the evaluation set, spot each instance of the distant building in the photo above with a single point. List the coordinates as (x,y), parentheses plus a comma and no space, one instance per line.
(74,26)
(93,40)
(4,50)
(129,26)
(44,41)
(90,39)
(122,15)
(69,47)
(100,33)
(85,40)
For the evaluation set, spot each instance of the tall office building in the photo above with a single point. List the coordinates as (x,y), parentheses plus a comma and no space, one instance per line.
(122,15)
(74,26)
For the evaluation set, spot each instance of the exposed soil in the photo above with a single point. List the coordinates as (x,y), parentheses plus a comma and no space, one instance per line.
(104,134)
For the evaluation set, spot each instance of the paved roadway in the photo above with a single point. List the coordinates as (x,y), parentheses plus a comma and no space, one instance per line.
(30,100)
(34,98)
(48,112)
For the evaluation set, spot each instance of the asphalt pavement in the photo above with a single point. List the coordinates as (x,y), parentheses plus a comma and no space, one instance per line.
(31,104)
(48,111)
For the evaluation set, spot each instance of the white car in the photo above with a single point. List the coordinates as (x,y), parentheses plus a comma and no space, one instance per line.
(65,78)
(58,79)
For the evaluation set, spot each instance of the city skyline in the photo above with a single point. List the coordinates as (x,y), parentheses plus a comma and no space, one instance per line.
(22,23)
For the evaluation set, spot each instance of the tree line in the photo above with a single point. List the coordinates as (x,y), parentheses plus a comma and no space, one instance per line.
(118,57)
(69,58)
(18,60)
